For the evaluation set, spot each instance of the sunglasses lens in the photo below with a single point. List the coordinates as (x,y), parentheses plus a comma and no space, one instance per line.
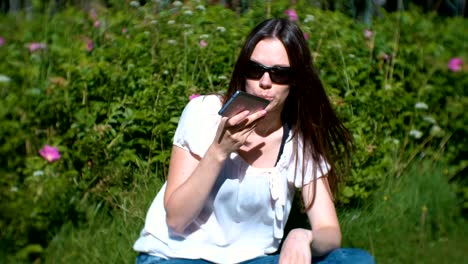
(254,71)
(280,75)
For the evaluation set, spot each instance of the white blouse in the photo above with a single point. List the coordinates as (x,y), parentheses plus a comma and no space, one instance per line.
(247,209)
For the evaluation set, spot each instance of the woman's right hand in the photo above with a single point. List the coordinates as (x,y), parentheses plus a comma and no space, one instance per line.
(233,131)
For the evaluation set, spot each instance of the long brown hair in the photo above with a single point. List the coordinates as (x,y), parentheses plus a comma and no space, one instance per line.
(307,109)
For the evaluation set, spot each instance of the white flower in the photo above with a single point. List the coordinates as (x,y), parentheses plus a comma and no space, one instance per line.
(187,26)
(171,22)
(177,3)
(429,119)
(200,7)
(415,133)
(172,41)
(38,173)
(421,105)
(188,32)
(436,131)
(166,72)
(4,78)
(153,22)
(135,3)
(35,91)
(352,56)
(14,189)
(221,29)
(204,36)
(396,141)
(355,216)
(309,18)
(188,12)
(222,77)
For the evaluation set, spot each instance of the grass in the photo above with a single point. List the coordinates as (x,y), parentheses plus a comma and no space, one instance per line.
(412,219)
(108,237)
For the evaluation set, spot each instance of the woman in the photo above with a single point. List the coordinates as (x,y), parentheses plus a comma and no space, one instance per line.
(232,180)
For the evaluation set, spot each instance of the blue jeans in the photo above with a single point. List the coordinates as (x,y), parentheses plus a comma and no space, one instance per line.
(342,255)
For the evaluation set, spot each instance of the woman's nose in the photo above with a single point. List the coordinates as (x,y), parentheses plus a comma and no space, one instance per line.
(265,82)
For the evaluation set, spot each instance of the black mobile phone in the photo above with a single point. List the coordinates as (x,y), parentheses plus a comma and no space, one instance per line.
(242,101)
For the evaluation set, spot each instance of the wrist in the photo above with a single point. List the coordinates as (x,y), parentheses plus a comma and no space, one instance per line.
(310,236)
(217,153)
(303,234)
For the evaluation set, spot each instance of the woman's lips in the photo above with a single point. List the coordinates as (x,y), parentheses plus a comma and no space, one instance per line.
(269,98)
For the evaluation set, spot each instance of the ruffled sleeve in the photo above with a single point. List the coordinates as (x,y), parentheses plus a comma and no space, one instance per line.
(198,124)
(291,163)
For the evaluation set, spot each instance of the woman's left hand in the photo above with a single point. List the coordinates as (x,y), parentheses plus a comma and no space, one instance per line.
(296,247)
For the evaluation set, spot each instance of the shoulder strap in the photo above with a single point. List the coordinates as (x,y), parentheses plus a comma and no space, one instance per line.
(286,130)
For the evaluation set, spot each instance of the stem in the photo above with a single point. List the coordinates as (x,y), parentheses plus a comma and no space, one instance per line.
(413,155)
(268,7)
(396,41)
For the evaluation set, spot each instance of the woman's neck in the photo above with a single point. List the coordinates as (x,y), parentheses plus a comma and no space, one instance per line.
(268,124)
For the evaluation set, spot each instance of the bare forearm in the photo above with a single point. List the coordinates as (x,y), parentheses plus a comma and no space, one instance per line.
(186,202)
(325,239)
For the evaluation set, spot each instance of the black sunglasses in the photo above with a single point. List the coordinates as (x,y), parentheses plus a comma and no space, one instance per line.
(278,74)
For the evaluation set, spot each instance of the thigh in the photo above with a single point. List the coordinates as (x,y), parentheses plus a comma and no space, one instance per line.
(143,258)
(270,259)
(149,259)
(337,256)
(345,255)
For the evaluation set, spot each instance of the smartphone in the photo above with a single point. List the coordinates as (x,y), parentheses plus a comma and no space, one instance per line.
(242,101)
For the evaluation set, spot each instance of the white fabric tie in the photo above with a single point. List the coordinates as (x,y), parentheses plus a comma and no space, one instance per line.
(278,195)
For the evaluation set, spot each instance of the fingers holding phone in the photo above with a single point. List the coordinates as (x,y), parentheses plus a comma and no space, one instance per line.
(243,109)
(244,119)
(241,101)
(233,131)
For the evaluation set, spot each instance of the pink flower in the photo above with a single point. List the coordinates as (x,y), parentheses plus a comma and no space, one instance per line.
(2,41)
(124,30)
(50,153)
(306,36)
(203,43)
(36,46)
(292,14)
(97,23)
(89,45)
(368,34)
(193,96)
(384,56)
(455,64)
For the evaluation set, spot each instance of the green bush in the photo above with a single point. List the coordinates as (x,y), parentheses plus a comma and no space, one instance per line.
(109,94)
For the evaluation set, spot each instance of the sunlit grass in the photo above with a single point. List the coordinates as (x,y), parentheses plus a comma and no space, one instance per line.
(412,219)
(107,237)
